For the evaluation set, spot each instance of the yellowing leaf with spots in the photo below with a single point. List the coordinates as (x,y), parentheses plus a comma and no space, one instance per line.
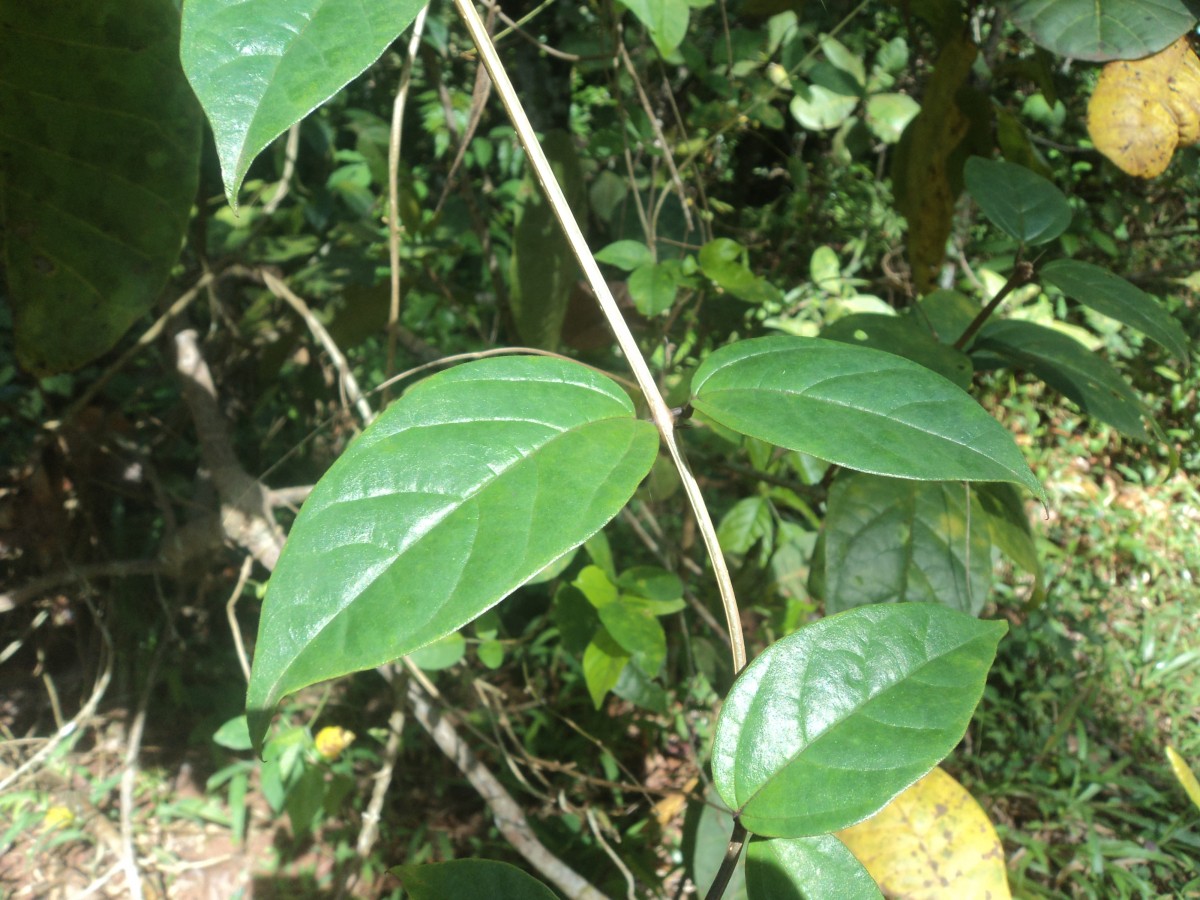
(932,842)
(1141,110)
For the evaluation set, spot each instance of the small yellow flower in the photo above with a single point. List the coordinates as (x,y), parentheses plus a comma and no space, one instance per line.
(332,740)
(57,817)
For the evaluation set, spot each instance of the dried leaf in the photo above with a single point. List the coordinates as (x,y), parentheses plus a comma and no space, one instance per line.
(932,841)
(1143,109)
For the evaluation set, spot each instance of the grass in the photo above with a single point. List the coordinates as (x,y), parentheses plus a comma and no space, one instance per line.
(1068,747)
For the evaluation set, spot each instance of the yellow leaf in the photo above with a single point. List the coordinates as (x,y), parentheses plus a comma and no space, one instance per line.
(332,740)
(932,842)
(1184,775)
(1142,109)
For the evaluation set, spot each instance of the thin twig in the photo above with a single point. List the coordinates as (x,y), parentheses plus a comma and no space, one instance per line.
(737,841)
(414,44)
(1022,274)
(231,615)
(290,151)
(660,412)
(119,569)
(509,817)
(598,834)
(346,378)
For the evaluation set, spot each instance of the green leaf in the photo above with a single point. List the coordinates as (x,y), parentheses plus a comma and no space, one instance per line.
(441,654)
(888,540)
(856,407)
(463,489)
(1116,298)
(99,157)
(603,661)
(658,586)
(304,800)
(666,20)
(889,114)
(470,878)
(260,66)
(830,723)
(1009,528)
(818,109)
(653,287)
(840,56)
(639,633)
(807,868)
(721,260)
(1021,203)
(1067,366)
(627,255)
(748,522)
(902,336)
(1100,30)
(233,735)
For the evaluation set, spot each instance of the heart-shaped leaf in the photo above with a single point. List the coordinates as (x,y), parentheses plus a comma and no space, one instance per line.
(807,868)
(1020,202)
(888,540)
(856,407)
(465,488)
(260,66)
(1100,30)
(1112,295)
(1067,366)
(470,878)
(830,723)
(99,156)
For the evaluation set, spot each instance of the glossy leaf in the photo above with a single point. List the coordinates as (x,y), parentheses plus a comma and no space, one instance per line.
(99,156)
(462,490)
(833,721)
(1103,29)
(856,407)
(889,540)
(1067,366)
(260,66)
(1021,203)
(806,868)
(470,878)
(1116,298)
(934,840)
(902,336)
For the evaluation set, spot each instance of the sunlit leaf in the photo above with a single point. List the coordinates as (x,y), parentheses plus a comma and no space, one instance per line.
(1021,203)
(857,407)
(1103,29)
(99,156)
(931,842)
(259,66)
(1184,775)
(1112,295)
(665,20)
(903,336)
(467,486)
(830,723)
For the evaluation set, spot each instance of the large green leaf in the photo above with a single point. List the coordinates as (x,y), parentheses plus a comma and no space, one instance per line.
(1020,202)
(830,723)
(1104,29)
(260,66)
(807,868)
(483,878)
(99,154)
(888,540)
(856,407)
(1116,298)
(666,20)
(1067,366)
(461,491)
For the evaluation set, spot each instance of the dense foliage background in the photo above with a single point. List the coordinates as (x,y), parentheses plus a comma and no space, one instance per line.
(753,174)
